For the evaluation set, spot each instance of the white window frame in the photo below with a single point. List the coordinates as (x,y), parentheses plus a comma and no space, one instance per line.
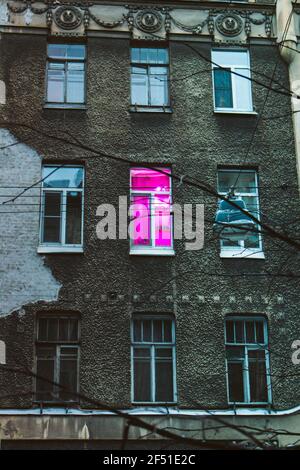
(146,66)
(152,249)
(65,61)
(239,251)
(224,65)
(152,346)
(61,247)
(250,346)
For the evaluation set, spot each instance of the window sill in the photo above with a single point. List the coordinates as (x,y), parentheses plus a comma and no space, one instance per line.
(153,252)
(250,254)
(150,109)
(59,249)
(262,404)
(64,106)
(235,111)
(154,403)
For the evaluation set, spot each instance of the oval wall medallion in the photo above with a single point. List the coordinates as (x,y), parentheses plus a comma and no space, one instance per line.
(148,20)
(229,24)
(67,17)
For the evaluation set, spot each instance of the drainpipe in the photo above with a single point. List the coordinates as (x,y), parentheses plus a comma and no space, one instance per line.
(287,37)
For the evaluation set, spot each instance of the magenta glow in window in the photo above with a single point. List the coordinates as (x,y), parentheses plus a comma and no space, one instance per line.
(151,220)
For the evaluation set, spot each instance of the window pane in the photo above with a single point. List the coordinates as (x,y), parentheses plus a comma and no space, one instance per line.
(52,217)
(53,329)
(137,330)
(243,90)
(135,54)
(164,380)
(64,177)
(73,325)
(260,332)
(45,370)
(147,179)
(162,56)
(75,83)
(52,201)
(258,381)
(239,331)
(74,217)
(147,330)
(163,222)
(75,51)
(157,331)
(229,331)
(42,329)
(68,376)
(141,353)
(142,380)
(235,381)
(168,331)
(235,352)
(246,182)
(63,329)
(51,230)
(163,353)
(230,58)
(250,333)
(139,87)
(56,83)
(158,87)
(57,51)
(141,220)
(149,55)
(223,88)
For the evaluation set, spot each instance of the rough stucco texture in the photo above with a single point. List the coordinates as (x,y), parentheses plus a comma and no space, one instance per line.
(194,141)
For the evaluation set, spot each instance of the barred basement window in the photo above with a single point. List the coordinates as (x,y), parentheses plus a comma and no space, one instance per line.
(66,75)
(153,359)
(57,358)
(149,76)
(151,224)
(232,92)
(61,224)
(247,360)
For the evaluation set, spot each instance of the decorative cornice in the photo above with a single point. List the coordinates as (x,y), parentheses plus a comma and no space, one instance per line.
(156,21)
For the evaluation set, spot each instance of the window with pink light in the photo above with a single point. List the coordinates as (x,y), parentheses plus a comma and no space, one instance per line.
(151,219)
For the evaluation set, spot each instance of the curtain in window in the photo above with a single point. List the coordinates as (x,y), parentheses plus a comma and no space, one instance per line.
(223,88)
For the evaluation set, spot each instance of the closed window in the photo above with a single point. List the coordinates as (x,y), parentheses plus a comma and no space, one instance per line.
(247,360)
(232,92)
(245,184)
(57,358)
(61,208)
(151,220)
(66,74)
(153,359)
(149,76)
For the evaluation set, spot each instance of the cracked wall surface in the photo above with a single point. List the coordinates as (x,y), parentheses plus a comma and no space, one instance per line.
(23,276)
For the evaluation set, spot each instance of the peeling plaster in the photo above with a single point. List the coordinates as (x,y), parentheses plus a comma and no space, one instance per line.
(2,92)
(23,276)
(3,13)
(2,353)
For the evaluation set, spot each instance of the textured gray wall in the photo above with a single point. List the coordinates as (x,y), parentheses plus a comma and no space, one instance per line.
(205,288)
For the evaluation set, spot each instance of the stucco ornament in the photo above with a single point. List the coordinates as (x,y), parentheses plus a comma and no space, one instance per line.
(149,21)
(68,17)
(229,24)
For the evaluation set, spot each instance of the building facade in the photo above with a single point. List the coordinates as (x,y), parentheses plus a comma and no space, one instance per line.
(105,104)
